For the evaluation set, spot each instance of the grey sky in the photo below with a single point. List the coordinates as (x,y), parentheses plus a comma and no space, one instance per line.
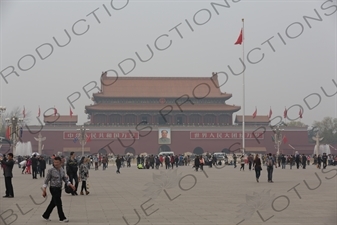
(283,78)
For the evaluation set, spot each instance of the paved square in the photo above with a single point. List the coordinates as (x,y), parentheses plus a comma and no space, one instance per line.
(218,196)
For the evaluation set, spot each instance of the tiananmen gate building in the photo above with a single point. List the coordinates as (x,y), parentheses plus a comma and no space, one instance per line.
(155,114)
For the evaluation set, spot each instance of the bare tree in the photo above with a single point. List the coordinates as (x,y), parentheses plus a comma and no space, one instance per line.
(296,124)
(327,128)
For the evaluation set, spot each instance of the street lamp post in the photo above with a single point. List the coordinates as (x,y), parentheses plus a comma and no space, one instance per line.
(2,110)
(83,139)
(14,137)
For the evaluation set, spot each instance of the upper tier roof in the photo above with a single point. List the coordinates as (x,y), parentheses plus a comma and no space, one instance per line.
(164,107)
(161,87)
(60,119)
(250,119)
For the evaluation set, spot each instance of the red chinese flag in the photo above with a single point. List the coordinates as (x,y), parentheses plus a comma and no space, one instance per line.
(254,114)
(71,112)
(88,138)
(285,113)
(270,113)
(300,113)
(55,111)
(240,38)
(8,132)
(285,140)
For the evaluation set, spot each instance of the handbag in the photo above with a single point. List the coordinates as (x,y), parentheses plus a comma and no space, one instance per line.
(88,186)
(67,188)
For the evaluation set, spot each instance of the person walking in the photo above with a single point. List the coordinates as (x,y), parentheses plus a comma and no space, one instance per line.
(250,161)
(42,167)
(72,169)
(84,175)
(55,175)
(291,161)
(234,160)
(297,160)
(242,163)
(7,166)
(202,162)
(304,161)
(34,166)
(28,164)
(196,163)
(283,161)
(270,167)
(118,164)
(324,160)
(167,162)
(257,167)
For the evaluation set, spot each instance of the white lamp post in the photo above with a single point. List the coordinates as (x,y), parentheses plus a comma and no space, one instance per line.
(2,110)
(83,138)
(14,121)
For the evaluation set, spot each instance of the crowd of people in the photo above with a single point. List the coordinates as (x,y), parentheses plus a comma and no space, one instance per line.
(74,170)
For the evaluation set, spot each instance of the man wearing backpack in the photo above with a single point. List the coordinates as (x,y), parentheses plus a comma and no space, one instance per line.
(72,168)
(270,163)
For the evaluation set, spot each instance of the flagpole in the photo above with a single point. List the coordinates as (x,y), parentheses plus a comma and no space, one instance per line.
(243,88)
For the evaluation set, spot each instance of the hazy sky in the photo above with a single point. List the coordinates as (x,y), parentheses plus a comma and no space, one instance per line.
(299,59)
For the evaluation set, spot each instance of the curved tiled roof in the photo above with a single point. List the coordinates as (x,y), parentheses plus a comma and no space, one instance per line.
(161,87)
(60,119)
(164,107)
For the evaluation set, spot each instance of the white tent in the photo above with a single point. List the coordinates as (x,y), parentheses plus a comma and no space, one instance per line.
(322,149)
(23,149)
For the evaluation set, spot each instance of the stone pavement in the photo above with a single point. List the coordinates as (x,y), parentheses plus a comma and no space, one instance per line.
(218,196)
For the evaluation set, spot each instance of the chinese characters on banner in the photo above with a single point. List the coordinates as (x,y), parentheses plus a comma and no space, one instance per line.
(103,135)
(225,135)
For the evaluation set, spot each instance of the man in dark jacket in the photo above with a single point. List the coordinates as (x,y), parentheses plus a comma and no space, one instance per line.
(72,168)
(324,159)
(304,161)
(118,164)
(34,166)
(167,162)
(297,160)
(7,165)
(42,166)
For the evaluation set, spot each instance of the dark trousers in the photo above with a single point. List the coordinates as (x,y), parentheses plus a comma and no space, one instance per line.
(250,165)
(242,166)
(257,173)
(73,176)
(304,164)
(42,172)
(9,186)
(167,165)
(297,165)
(34,172)
(84,186)
(324,165)
(270,173)
(201,166)
(55,201)
(118,168)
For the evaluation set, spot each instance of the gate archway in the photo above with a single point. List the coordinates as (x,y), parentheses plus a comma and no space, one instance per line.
(164,148)
(130,150)
(198,151)
(102,151)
